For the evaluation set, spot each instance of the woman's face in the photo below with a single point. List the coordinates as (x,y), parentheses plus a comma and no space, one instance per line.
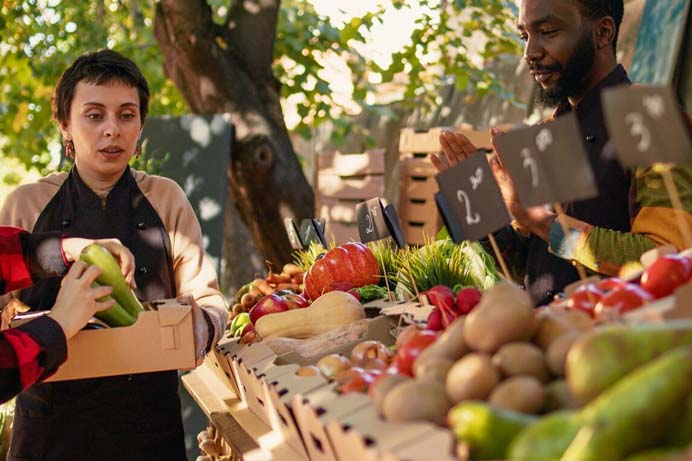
(104,126)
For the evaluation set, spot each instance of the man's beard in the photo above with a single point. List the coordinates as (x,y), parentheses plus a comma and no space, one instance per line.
(571,75)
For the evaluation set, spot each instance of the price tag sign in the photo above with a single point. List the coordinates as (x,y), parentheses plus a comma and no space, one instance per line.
(391,219)
(548,162)
(371,220)
(451,223)
(472,193)
(293,235)
(646,125)
(312,230)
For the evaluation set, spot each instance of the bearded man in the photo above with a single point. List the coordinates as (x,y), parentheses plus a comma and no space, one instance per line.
(570,48)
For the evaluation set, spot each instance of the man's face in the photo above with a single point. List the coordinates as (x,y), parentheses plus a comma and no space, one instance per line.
(559,47)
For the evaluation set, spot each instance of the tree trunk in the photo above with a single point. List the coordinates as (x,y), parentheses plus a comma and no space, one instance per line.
(228,69)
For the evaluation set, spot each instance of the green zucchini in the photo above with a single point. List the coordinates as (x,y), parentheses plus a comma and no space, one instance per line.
(487,430)
(111,275)
(115,316)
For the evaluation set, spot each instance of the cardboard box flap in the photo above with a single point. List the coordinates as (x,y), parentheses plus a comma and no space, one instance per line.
(172,314)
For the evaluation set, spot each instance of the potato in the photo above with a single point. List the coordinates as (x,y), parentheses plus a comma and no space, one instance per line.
(471,378)
(551,324)
(557,352)
(523,394)
(450,345)
(382,386)
(505,314)
(558,396)
(435,369)
(521,358)
(416,401)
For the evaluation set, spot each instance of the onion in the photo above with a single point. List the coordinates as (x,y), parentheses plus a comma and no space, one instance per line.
(333,364)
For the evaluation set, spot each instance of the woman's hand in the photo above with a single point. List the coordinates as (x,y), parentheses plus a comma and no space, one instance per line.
(77,301)
(72,247)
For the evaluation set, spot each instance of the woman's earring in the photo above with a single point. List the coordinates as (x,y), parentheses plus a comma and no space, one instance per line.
(137,152)
(69,149)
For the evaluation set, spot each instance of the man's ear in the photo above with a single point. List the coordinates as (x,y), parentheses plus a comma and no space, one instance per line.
(605,32)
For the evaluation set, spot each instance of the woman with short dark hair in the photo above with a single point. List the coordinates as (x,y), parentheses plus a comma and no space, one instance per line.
(100,104)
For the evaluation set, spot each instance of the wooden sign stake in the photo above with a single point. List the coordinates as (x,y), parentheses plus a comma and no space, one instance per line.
(499,257)
(672,190)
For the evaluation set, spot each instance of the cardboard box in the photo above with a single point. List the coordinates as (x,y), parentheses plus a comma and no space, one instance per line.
(161,339)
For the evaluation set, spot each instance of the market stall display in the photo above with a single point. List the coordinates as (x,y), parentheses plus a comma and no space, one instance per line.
(483,375)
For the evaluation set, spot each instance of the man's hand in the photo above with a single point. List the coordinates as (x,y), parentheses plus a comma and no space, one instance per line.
(455,149)
(537,219)
(77,301)
(201,330)
(72,247)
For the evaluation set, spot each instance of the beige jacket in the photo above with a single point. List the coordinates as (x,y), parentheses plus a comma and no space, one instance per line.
(194,273)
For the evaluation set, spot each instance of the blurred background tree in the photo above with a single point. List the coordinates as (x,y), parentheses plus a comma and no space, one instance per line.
(252,59)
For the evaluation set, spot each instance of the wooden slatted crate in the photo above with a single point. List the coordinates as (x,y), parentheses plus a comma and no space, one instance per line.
(344,180)
(417,210)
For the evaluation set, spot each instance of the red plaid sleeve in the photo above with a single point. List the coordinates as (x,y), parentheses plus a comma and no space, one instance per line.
(19,361)
(30,353)
(14,272)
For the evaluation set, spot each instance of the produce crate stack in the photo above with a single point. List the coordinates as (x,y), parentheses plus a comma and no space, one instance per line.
(344,180)
(417,210)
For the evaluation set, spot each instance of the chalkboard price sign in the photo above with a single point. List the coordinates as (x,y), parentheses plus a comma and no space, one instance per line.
(472,193)
(293,235)
(646,125)
(548,162)
(312,230)
(371,220)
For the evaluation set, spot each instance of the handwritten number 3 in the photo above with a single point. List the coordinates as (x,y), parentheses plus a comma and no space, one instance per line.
(530,163)
(638,128)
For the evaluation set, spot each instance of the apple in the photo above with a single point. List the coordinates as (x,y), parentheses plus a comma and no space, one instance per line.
(268,305)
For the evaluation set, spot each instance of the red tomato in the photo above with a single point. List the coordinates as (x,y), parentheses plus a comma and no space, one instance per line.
(621,300)
(585,298)
(665,274)
(611,283)
(360,382)
(351,263)
(403,361)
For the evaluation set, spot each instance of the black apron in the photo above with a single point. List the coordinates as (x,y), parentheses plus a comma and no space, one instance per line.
(547,274)
(130,417)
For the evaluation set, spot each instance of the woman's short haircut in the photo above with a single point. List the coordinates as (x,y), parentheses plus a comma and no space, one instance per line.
(99,68)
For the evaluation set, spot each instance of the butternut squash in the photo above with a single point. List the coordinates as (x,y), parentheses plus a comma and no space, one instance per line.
(329,311)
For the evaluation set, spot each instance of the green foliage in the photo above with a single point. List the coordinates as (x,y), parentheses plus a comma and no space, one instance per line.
(42,37)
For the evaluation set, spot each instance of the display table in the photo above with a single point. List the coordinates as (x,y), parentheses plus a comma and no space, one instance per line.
(248,437)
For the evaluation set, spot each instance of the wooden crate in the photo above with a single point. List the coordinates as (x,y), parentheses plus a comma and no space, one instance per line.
(417,210)
(313,411)
(417,187)
(343,181)
(426,142)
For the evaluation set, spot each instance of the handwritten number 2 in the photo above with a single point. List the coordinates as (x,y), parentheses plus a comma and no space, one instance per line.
(471,218)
